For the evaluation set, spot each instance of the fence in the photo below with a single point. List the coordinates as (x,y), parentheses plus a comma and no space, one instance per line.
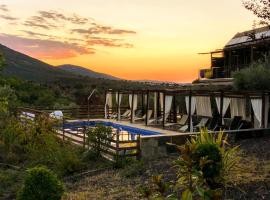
(81,112)
(122,144)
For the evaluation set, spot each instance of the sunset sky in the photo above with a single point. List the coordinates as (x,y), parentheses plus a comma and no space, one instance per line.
(131,39)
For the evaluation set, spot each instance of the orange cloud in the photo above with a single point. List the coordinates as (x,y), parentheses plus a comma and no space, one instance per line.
(44,49)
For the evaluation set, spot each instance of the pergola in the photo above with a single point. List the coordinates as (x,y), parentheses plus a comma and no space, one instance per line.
(165,105)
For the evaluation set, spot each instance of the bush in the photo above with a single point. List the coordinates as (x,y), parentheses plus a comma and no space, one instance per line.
(135,168)
(255,77)
(212,154)
(99,138)
(204,164)
(42,184)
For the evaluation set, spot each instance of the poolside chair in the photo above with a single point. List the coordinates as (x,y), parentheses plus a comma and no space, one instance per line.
(144,116)
(183,120)
(183,128)
(159,120)
(126,114)
(201,124)
(236,122)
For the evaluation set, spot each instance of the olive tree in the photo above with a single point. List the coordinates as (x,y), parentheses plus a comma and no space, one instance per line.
(260,8)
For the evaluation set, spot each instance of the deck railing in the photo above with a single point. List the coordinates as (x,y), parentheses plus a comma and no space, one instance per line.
(121,144)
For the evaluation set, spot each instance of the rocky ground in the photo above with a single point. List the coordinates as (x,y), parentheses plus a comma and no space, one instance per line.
(250,181)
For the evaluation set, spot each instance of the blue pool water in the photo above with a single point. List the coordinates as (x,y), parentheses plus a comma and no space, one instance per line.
(132,130)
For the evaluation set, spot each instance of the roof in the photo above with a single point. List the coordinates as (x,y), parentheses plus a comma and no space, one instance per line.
(247,36)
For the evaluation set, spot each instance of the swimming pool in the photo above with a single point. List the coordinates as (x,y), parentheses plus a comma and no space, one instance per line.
(121,127)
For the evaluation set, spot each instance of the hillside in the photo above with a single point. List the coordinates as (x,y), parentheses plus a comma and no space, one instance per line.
(85,72)
(27,68)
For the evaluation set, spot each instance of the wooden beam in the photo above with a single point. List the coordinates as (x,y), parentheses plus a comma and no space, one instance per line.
(147,107)
(189,111)
(118,107)
(221,108)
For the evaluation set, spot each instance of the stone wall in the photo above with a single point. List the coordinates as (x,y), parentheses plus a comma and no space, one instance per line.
(153,147)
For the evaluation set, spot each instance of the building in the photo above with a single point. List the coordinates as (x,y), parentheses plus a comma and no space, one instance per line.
(243,49)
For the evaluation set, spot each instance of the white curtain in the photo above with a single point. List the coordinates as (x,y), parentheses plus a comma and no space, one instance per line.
(266,111)
(226,103)
(161,100)
(130,100)
(193,108)
(119,108)
(168,105)
(203,106)
(145,100)
(135,105)
(218,103)
(108,103)
(257,108)
(238,107)
(135,102)
(155,105)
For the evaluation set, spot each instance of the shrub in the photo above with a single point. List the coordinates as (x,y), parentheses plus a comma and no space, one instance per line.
(212,167)
(255,77)
(135,168)
(203,165)
(42,184)
(99,138)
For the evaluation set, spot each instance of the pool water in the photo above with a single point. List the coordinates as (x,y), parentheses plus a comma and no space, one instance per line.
(129,129)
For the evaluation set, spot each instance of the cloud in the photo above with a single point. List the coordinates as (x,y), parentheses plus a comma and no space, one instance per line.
(108,42)
(7,17)
(4,8)
(44,49)
(56,16)
(99,29)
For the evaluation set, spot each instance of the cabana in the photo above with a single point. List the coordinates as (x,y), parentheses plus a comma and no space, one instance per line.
(202,108)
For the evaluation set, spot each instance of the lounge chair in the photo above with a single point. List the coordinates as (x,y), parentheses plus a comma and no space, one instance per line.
(201,124)
(126,114)
(158,120)
(144,116)
(236,122)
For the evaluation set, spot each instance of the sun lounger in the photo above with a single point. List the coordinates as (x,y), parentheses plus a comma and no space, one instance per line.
(144,116)
(126,114)
(236,122)
(201,124)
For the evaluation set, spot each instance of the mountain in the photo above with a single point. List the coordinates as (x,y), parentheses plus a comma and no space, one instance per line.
(25,67)
(85,72)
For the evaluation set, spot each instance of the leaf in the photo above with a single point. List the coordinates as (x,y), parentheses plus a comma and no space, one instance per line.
(187,195)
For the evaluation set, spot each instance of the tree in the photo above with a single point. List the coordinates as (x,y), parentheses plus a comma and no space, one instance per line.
(260,8)
(255,77)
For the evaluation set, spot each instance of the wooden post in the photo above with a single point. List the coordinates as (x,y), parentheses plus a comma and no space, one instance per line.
(221,108)
(174,109)
(138,147)
(132,105)
(147,107)
(142,105)
(118,107)
(189,111)
(84,138)
(158,104)
(117,143)
(105,108)
(63,129)
(164,120)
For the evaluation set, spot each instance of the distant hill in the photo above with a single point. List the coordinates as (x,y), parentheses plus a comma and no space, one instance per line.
(27,68)
(85,72)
